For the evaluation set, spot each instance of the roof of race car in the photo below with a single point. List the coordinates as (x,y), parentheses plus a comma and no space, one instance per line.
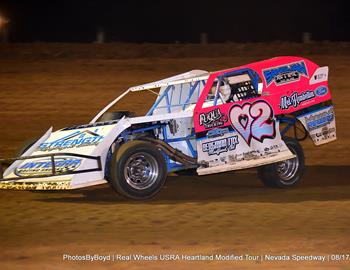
(198,75)
(190,76)
(265,64)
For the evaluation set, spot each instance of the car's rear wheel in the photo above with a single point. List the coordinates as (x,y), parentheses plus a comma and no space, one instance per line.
(286,173)
(138,170)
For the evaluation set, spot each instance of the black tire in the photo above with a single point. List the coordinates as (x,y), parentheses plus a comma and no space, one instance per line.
(287,173)
(128,166)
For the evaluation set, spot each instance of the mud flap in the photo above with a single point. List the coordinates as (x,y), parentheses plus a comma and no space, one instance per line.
(320,124)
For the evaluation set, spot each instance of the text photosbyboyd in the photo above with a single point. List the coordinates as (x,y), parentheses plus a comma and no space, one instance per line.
(206,257)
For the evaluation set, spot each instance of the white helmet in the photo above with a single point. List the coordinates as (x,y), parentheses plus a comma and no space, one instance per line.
(225,91)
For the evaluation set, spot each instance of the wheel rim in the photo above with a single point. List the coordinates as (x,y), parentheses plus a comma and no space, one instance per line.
(287,169)
(141,170)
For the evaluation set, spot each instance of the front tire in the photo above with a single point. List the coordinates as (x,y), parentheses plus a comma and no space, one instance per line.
(138,170)
(286,173)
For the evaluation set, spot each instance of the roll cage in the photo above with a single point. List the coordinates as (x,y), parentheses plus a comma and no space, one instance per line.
(176,93)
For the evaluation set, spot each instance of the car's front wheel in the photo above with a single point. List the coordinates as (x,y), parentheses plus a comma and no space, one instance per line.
(286,173)
(138,170)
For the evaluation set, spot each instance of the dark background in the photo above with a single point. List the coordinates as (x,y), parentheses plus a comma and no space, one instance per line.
(171,21)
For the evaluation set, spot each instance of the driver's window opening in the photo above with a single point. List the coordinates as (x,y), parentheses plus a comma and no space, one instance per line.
(133,104)
(235,88)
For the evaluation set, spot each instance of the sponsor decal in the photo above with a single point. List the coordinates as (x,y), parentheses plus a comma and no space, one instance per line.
(253,120)
(218,146)
(212,118)
(296,99)
(286,73)
(271,148)
(320,75)
(217,132)
(324,133)
(321,91)
(316,121)
(73,140)
(55,185)
(250,155)
(44,166)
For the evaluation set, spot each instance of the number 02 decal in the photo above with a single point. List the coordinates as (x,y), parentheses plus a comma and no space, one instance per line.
(253,120)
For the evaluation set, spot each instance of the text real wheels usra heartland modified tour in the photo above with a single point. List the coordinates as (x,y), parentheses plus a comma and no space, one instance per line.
(209,121)
(197,257)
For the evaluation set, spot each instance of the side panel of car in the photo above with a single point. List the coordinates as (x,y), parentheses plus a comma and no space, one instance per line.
(285,86)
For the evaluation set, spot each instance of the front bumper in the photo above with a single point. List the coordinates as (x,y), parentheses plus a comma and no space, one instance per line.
(52,177)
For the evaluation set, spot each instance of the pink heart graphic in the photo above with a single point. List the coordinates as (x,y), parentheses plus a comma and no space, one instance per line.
(241,121)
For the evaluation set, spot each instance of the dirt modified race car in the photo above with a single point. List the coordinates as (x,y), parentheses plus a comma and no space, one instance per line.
(208,121)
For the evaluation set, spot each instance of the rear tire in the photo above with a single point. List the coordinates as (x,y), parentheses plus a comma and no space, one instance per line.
(286,173)
(138,170)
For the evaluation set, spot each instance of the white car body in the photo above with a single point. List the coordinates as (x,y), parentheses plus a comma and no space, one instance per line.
(109,133)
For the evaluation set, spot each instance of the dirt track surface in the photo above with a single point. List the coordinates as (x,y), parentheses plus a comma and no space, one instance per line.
(226,213)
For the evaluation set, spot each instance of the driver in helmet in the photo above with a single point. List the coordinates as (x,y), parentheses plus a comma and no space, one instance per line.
(225,91)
